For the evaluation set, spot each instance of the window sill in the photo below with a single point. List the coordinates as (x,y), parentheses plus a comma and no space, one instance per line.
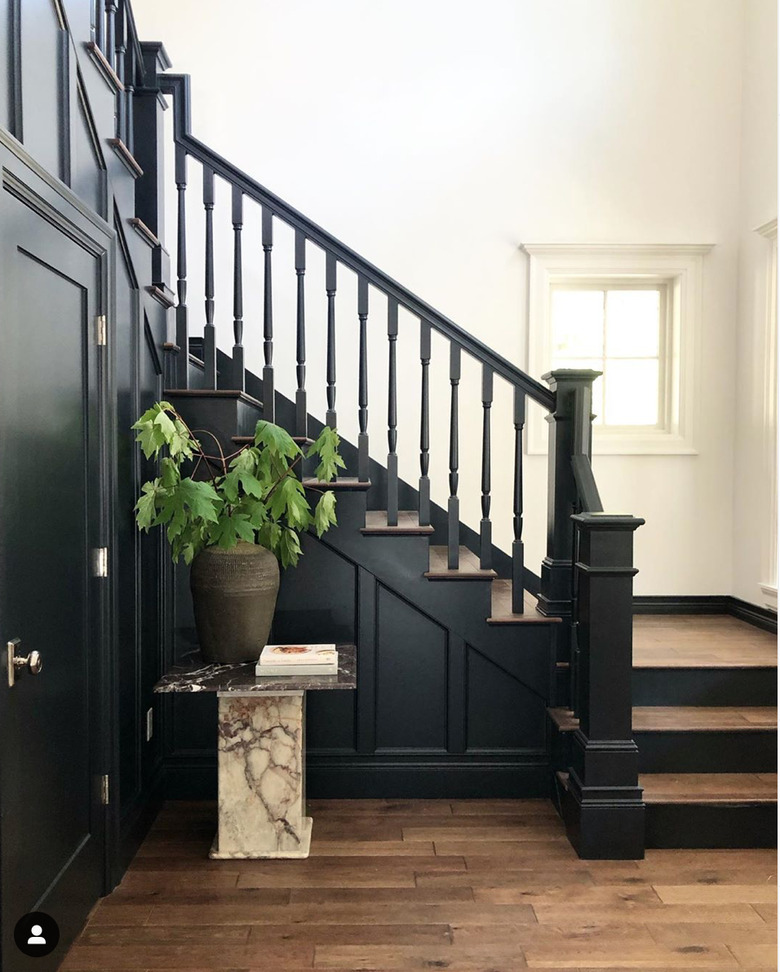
(770,595)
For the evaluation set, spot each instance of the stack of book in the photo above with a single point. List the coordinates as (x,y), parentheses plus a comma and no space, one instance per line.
(279,660)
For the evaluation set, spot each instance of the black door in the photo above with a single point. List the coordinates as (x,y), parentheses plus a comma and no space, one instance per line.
(52,819)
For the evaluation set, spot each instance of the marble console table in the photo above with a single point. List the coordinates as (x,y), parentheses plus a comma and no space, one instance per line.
(261,758)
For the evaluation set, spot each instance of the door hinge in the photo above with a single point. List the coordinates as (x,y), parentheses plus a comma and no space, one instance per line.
(100,566)
(104,792)
(101,330)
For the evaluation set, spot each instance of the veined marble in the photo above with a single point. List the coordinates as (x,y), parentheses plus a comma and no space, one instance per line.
(261,769)
(192,675)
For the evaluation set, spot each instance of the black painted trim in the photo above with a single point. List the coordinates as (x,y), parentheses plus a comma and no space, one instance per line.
(355,776)
(707,604)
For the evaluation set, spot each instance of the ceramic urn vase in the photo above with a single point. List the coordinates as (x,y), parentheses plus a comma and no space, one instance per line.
(234,595)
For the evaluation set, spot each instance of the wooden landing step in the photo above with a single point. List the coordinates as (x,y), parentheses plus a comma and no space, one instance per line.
(687,718)
(709,788)
(710,641)
(501,606)
(408,525)
(303,441)
(212,393)
(468,569)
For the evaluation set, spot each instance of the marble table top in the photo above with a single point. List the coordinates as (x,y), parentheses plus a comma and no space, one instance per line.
(194,675)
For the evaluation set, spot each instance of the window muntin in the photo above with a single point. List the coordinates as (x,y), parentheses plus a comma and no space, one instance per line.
(618,328)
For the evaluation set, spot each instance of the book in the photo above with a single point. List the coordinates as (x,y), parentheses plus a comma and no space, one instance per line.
(279,660)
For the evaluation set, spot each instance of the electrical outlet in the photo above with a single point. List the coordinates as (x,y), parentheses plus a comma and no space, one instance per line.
(149,724)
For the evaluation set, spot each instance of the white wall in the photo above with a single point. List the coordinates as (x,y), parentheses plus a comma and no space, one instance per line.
(752,497)
(435,138)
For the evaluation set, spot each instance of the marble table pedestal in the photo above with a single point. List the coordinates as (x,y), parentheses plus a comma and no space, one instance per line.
(260,751)
(261,776)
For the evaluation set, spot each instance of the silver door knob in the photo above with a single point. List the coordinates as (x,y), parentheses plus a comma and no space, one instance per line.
(32,662)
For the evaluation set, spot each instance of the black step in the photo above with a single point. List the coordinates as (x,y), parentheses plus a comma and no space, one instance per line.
(692,740)
(719,810)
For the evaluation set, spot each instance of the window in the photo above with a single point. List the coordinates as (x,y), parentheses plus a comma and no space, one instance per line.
(620,331)
(632,313)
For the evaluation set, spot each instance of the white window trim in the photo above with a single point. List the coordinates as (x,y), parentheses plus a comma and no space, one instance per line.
(677,265)
(769,395)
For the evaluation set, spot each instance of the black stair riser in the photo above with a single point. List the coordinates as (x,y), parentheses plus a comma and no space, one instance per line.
(707,752)
(704,686)
(689,752)
(711,825)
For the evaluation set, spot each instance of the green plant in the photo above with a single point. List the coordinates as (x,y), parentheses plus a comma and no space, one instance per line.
(251,494)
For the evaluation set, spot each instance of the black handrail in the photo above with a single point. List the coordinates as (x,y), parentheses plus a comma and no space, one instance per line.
(177,85)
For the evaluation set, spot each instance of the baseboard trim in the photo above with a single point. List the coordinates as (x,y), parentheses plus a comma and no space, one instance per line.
(707,604)
(374,777)
(136,821)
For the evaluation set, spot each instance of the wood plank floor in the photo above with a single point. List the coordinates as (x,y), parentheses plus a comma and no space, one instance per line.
(467,886)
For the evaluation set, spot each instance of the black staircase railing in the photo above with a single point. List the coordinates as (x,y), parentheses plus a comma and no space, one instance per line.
(571,583)
(586,575)
(368,277)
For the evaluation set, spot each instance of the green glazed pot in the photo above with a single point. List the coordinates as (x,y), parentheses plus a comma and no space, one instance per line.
(234,595)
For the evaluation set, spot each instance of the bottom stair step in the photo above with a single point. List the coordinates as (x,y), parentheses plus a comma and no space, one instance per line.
(709,788)
(710,809)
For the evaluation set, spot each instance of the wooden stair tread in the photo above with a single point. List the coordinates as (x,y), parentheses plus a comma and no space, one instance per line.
(467,570)
(342,482)
(686,718)
(701,641)
(501,606)
(299,440)
(408,524)
(211,393)
(714,789)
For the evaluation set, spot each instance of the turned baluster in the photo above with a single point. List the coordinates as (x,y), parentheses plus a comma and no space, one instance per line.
(182,328)
(209,334)
(330,377)
(363,382)
(425,424)
(518,581)
(269,404)
(238,291)
(485,526)
(301,417)
(110,50)
(453,504)
(392,413)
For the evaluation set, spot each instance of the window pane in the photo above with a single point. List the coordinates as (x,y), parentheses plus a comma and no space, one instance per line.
(633,323)
(631,392)
(577,323)
(595,364)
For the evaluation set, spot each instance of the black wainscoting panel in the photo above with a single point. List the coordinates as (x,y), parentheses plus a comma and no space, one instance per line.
(42,50)
(128,573)
(317,598)
(86,167)
(502,712)
(411,677)
(317,604)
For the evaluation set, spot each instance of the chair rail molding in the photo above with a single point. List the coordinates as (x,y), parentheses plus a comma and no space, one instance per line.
(677,265)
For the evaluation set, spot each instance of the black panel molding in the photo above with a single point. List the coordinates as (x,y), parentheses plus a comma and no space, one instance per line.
(525,775)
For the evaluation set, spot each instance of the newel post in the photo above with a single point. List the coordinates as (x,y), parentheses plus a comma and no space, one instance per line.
(603,807)
(572,390)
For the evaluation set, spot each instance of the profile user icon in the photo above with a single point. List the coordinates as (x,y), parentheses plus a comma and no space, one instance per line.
(36,936)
